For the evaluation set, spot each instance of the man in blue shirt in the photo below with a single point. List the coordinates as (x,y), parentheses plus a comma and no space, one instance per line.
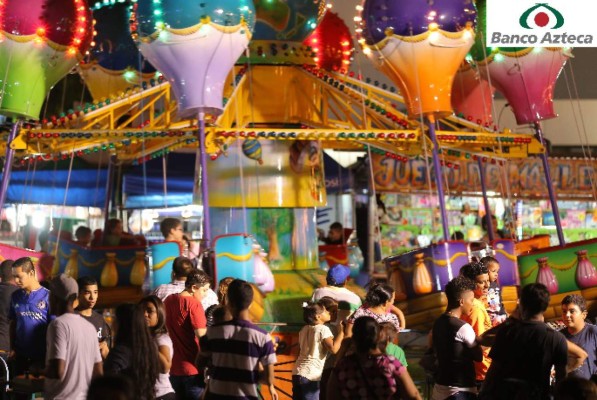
(574,312)
(29,317)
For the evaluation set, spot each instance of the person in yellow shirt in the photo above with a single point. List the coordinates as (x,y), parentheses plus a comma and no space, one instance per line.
(478,318)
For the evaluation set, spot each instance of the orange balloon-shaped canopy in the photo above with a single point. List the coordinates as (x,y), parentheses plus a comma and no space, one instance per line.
(419,45)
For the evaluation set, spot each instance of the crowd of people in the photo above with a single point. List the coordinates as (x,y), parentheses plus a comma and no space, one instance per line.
(55,333)
(480,352)
(186,341)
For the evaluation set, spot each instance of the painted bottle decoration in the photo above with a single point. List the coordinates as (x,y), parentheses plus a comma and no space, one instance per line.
(397,281)
(586,276)
(138,270)
(422,283)
(72,266)
(109,276)
(546,276)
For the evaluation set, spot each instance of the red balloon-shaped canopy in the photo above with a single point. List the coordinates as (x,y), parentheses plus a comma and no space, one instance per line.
(332,43)
(64,22)
(472,96)
(40,42)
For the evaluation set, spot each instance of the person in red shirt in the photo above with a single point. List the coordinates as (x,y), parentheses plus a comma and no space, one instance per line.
(186,323)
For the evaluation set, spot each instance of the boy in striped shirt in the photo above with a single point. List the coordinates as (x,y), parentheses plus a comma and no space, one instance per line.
(235,348)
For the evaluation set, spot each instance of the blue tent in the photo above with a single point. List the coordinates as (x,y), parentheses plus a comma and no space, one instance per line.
(145,189)
(87,187)
(143,186)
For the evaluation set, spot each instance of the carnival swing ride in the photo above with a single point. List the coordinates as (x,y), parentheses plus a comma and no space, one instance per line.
(260,88)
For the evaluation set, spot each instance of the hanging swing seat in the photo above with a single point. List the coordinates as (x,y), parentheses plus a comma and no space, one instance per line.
(162,257)
(239,256)
(110,266)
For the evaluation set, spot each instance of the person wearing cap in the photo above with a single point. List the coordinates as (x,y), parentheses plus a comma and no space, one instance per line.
(73,357)
(348,301)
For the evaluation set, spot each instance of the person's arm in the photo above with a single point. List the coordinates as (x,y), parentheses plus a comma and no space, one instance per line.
(477,352)
(398,313)
(198,320)
(268,379)
(320,234)
(57,349)
(98,370)
(165,359)
(333,344)
(407,387)
(576,357)
(348,328)
(104,349)
(202,360)
(468,336)
(487,339)
(345,346)
(560,355)
(55,369)
(12,334)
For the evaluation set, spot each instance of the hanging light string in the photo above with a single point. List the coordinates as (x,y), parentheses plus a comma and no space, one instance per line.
(59,236)
(506,165)
(581,128)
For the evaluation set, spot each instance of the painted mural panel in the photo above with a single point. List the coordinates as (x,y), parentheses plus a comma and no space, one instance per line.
(268,173)
(572,178)
(288,235)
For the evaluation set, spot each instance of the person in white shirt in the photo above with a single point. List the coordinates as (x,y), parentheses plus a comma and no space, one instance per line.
(73,356)
(348,301)
(181,267)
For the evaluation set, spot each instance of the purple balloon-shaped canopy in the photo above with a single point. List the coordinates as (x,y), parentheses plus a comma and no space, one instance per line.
(412,17)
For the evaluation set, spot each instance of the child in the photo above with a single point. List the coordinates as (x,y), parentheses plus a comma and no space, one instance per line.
(494,305)
(388,345)
(316,340)
(478,317)
(331,306)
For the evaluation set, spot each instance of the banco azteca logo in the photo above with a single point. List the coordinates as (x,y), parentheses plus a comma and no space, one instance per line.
(541,15)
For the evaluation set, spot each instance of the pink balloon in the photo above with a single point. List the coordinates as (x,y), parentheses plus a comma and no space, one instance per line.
(472,96)
(527,79)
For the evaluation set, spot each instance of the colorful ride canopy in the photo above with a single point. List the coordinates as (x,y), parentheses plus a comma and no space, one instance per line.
(115,63)
(40,42)
(419,45)
(280,29)
(525,76)
(194,44)
(332,43)
(472,96)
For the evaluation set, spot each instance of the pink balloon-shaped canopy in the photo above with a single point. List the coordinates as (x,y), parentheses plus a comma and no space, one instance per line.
(527,79)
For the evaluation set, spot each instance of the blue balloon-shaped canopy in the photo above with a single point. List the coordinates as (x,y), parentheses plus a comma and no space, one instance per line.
(154,15)
(115,49)
(412,17)
(194,44)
